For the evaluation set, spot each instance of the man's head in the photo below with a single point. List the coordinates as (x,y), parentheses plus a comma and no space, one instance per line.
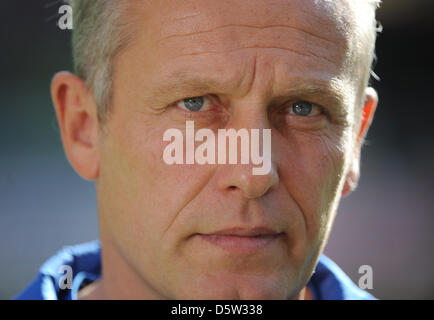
(297,67)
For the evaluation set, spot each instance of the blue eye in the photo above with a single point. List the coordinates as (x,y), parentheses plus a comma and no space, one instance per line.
(192,104)
(301,108)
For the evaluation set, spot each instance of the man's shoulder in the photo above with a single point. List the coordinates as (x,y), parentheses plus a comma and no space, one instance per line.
(78,264)
(330,282)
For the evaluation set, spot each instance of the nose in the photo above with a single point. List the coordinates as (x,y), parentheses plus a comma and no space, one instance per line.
(239,177)
(245,177)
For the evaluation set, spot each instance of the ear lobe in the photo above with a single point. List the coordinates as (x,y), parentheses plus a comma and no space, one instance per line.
(76,113)
(353,175)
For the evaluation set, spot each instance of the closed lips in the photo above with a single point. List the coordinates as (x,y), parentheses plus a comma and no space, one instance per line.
(242,240)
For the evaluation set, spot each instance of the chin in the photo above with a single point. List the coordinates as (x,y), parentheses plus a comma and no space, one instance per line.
(240,287)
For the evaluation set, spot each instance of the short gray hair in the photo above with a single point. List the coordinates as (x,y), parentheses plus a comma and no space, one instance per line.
(101,31)
(365,37)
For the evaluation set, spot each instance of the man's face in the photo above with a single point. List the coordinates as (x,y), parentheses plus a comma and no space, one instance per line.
(251,61)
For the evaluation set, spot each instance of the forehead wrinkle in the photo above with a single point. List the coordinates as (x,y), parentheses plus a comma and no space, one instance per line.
(275,36)
(253,37)
(291,50)
(234,25)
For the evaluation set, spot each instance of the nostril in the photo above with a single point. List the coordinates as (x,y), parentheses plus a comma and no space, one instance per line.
(232,187)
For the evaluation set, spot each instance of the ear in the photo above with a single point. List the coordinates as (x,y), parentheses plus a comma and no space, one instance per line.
(76,113)
(352,177)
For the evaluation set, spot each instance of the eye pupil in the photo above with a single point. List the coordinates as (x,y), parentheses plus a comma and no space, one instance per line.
(194,103)
(302,108)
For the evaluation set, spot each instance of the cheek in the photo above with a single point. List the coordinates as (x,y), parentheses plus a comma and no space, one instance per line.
(146,194)
(312,173)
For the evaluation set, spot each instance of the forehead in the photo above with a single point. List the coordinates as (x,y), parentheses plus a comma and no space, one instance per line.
(322,19)
(179,36)
(316,17)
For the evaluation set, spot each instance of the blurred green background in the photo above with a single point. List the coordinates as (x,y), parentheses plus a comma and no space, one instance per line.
(387,223)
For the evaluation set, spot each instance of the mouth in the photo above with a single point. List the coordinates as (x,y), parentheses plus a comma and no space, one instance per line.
(241,240)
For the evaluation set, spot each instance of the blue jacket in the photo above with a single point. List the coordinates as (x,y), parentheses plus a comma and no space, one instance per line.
(328,282)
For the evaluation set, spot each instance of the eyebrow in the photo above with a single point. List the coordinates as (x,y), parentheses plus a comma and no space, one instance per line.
(184,83)
(334,91)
